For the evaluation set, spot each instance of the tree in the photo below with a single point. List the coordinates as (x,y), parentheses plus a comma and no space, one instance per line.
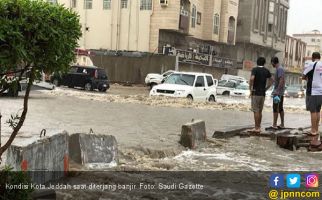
(35,37)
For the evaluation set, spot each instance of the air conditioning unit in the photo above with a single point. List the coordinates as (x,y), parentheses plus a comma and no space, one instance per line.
(164,2)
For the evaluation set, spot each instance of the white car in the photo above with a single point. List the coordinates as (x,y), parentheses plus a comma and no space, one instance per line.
(241,90)
(194,86)
(154,79)
(226,87)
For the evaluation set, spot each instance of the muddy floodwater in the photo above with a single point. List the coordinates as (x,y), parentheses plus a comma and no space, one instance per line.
(148,129)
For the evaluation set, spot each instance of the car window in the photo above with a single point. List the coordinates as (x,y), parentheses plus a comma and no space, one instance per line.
(210,81)
(73,70)
(181,79)
(200,81)
(81,70)
(222,83)
(230,84)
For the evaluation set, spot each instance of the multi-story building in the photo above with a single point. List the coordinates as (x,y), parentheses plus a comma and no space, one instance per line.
(313,41)
(294,59)
(261,30)
(148,25)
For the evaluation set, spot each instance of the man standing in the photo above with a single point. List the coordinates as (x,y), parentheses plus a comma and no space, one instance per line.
(278,93)
(313,75)
(258,86)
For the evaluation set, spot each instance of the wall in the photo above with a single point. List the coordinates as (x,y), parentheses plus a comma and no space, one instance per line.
(133,69)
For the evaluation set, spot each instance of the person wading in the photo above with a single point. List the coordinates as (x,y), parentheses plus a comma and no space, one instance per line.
(258,86)
(313,75)
(278,93)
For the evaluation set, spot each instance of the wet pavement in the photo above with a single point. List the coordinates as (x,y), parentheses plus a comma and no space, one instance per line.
(141,129)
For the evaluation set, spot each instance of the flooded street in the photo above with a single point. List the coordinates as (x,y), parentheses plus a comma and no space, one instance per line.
(148,130)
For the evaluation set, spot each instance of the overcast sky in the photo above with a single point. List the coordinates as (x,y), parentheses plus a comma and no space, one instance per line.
(304,16)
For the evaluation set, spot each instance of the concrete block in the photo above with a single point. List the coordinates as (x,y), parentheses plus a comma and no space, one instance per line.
(231,132)
(192,133)
(292,142)
(90,149)
(46,159)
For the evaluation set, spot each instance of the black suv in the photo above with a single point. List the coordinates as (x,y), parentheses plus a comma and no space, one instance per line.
(87,77)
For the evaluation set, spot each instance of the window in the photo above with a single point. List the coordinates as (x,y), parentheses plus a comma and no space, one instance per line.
(210,81)
(74,3)
(52,1)
(312,40)
(200,81)
(319,40)
(193,16)
(146,5)
(123,3)
(106,4)
(216,24)
(231,30)
(88,4)
(198,18)
(256,15)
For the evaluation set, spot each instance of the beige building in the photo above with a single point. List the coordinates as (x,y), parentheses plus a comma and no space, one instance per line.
(313,41)
(148,25)
(294,54)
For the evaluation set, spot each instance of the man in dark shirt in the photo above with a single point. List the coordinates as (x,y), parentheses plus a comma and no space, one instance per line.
(279,89)
(258,86)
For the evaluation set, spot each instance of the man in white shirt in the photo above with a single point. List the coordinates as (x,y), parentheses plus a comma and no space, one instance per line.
(313,75)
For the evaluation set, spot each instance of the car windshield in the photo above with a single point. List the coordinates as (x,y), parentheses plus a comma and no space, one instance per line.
(242,87)
(181,79)
(222,82)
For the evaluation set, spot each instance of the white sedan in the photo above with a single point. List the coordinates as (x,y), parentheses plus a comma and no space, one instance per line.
(241,90)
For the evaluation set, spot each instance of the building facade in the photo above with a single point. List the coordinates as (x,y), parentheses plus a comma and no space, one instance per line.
(294,59)
(261,31)
(149,25)
(313,40)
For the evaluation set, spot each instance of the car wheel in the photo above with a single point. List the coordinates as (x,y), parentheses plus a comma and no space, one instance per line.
(152,85)
(102,89)
(189,97)
(227,93)
(212,98)
(56,82)
(88,87)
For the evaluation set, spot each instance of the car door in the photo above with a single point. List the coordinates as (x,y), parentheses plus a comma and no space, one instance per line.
(67,79)
(200,90)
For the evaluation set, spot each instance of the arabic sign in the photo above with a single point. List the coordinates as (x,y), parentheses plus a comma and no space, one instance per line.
(222,62)
(191,57)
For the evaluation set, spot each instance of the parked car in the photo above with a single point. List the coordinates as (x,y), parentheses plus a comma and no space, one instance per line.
(154,79)
(295,91)
(13,90)
(226,87)
(194,86)
(242,90)
(237,79)
(87,77)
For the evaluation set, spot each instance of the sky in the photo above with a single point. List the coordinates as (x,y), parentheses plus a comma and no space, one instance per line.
(304,16)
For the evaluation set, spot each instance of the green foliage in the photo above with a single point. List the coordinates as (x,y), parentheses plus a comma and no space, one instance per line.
(13,121)
(38,34)
(14,178)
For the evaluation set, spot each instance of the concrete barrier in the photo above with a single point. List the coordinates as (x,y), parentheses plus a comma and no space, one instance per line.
(46,159)
(91,150)
(192,133)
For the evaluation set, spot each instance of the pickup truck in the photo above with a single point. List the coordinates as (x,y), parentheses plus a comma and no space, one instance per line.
(194,86)
(154,79)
